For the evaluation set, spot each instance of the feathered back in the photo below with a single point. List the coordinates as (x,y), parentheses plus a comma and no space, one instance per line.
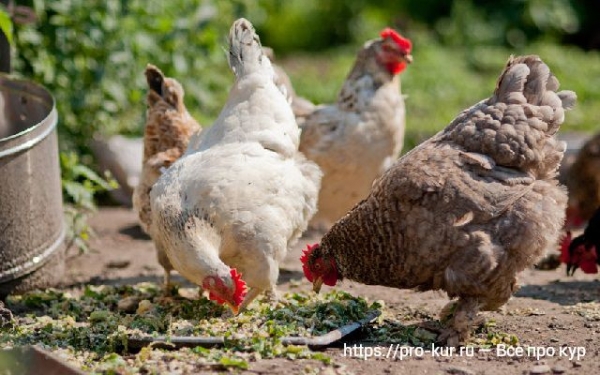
(516,125)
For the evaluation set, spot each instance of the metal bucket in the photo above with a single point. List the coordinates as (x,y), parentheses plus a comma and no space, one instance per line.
(32,227)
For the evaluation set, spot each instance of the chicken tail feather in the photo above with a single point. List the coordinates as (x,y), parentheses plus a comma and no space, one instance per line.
(516,125)
(246,54)
(155,79)
(163,89)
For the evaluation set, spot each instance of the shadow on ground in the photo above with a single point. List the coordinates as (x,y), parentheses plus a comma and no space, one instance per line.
(565,293)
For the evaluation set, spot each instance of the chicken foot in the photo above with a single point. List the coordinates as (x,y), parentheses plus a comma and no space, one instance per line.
(459,317)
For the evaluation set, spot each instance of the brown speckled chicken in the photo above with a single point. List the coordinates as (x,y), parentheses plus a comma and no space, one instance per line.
(356,139)
(583,183)
(466,210)
(168,129)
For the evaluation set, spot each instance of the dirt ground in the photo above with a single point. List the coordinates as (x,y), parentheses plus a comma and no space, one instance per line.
(544,314)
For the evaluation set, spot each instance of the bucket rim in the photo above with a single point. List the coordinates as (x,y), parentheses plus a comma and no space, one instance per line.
(41,94)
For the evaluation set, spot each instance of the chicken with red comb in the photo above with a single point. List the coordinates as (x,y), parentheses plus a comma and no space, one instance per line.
(357,138)
(582,251)
(466,210)
(229,209)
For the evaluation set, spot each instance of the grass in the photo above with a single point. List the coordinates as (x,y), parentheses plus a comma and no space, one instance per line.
(444,80)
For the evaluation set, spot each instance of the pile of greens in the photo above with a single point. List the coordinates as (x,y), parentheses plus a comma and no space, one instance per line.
(90,328)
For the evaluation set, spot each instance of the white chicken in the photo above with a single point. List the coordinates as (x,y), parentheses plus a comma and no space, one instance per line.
(242,194)
(357,138)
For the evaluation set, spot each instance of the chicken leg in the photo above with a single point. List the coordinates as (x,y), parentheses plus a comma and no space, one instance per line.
(459,317)
(164,261)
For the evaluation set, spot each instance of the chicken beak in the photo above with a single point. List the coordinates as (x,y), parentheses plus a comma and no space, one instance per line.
(408,58)
(234,309)
(571,268)
(317,284)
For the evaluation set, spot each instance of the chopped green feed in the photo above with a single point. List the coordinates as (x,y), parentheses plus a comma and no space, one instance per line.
(90,327)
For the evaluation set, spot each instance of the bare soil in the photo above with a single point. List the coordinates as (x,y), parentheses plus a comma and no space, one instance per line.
(550,311)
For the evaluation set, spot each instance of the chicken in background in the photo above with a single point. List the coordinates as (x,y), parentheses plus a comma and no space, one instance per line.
(583,183)
(242,194)
(168,129)
(582,251)
(466,210)
(300,106)
(356,139)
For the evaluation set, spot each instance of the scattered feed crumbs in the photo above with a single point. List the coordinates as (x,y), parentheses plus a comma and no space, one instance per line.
(589,310)
(390,330)
(89,328)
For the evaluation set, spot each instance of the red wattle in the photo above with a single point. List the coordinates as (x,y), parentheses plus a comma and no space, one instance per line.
(396,67)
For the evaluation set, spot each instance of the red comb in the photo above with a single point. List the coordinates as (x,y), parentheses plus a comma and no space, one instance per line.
(564,248)
(240,287)
(402,42)
(304,259)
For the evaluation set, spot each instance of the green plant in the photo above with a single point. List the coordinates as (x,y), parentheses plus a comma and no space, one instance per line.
(6,24)
(92,54)
(79,185)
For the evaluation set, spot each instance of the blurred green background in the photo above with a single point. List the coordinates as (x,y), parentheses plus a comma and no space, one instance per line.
(91,54)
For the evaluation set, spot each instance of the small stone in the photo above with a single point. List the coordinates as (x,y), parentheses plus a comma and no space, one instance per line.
(576,364)
(459,371)
(144,306)
(118,264)
(558,369)
(540,370)
(554,339)
(128,304)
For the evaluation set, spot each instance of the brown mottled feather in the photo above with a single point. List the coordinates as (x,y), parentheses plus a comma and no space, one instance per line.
(168,129)
(584,179)
(472,206)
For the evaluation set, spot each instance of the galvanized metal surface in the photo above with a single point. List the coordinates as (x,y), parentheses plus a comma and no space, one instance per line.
(32,360)
(31,216)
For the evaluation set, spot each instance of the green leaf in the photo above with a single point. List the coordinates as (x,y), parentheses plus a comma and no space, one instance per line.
(78,193)
(87,173)
(232,362)
(6,24)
